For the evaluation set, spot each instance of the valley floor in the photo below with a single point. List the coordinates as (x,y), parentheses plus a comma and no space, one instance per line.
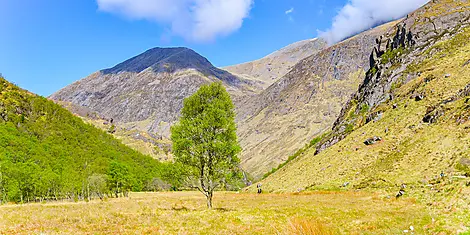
(235,213)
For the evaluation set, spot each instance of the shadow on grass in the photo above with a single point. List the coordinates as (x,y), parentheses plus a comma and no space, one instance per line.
(179,208)
(223,209)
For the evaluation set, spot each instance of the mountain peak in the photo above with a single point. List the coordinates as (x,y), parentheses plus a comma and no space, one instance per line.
(157,58)
(171,60)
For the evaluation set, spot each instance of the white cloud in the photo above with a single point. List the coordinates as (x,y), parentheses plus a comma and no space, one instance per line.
(360,15)
(290,11)
(195,20)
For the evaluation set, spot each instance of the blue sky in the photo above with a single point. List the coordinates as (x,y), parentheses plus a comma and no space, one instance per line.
(48,44)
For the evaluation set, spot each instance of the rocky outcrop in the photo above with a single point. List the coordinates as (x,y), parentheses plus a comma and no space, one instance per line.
(373,140)
(393,53)
(388,51)
(433,114)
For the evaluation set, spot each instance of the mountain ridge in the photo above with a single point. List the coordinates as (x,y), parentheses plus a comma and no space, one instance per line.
(170,60)
(275,65)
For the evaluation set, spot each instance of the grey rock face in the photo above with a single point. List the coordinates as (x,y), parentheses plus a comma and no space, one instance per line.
(275,65)
(170,60)
(372,140)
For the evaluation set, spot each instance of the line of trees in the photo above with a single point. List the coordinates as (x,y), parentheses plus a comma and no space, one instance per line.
(46,153)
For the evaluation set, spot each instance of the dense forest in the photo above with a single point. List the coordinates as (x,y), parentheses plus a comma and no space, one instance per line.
(46,153)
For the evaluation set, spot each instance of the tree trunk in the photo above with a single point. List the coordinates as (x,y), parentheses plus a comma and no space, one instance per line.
(209,200)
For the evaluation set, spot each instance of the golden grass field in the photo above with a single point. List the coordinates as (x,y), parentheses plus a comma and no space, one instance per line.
(234,213)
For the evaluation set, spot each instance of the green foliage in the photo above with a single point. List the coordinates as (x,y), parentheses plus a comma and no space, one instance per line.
(373,70)
(391,55)
(112,129)
(396,85)
(120,180)
(349,128)
(47,153)
(205,139)
(364,109)
(463,168)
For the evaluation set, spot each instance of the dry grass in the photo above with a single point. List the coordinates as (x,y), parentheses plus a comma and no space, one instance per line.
(185,213)
(309,227)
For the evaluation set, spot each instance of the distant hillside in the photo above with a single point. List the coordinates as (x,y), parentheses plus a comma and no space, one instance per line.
(275,65)
(48,153)
(154,145)
(303,103)
(407,123)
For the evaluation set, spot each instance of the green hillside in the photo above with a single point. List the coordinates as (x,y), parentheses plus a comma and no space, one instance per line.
(48,153)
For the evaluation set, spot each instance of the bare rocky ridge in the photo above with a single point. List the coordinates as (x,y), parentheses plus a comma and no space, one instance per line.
(275,65)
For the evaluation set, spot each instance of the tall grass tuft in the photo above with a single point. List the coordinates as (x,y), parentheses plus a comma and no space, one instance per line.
(309,227)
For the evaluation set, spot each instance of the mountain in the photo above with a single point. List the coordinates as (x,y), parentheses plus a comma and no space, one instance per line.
(48,153)
(303,103)
(408,121)
(144,94)
(272,67)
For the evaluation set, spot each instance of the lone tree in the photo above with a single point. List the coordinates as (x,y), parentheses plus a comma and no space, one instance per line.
(205,139)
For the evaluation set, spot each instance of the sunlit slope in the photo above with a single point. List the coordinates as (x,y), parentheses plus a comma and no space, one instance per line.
(420,137)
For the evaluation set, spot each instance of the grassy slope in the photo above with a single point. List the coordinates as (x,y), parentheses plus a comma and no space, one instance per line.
(412,152)
(44,147)
(129,137)
(185,213)
(141,141)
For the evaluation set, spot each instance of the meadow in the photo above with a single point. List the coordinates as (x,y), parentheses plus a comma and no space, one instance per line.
(233,213)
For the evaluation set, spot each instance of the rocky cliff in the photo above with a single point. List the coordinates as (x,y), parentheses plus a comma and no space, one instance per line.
(392,59)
